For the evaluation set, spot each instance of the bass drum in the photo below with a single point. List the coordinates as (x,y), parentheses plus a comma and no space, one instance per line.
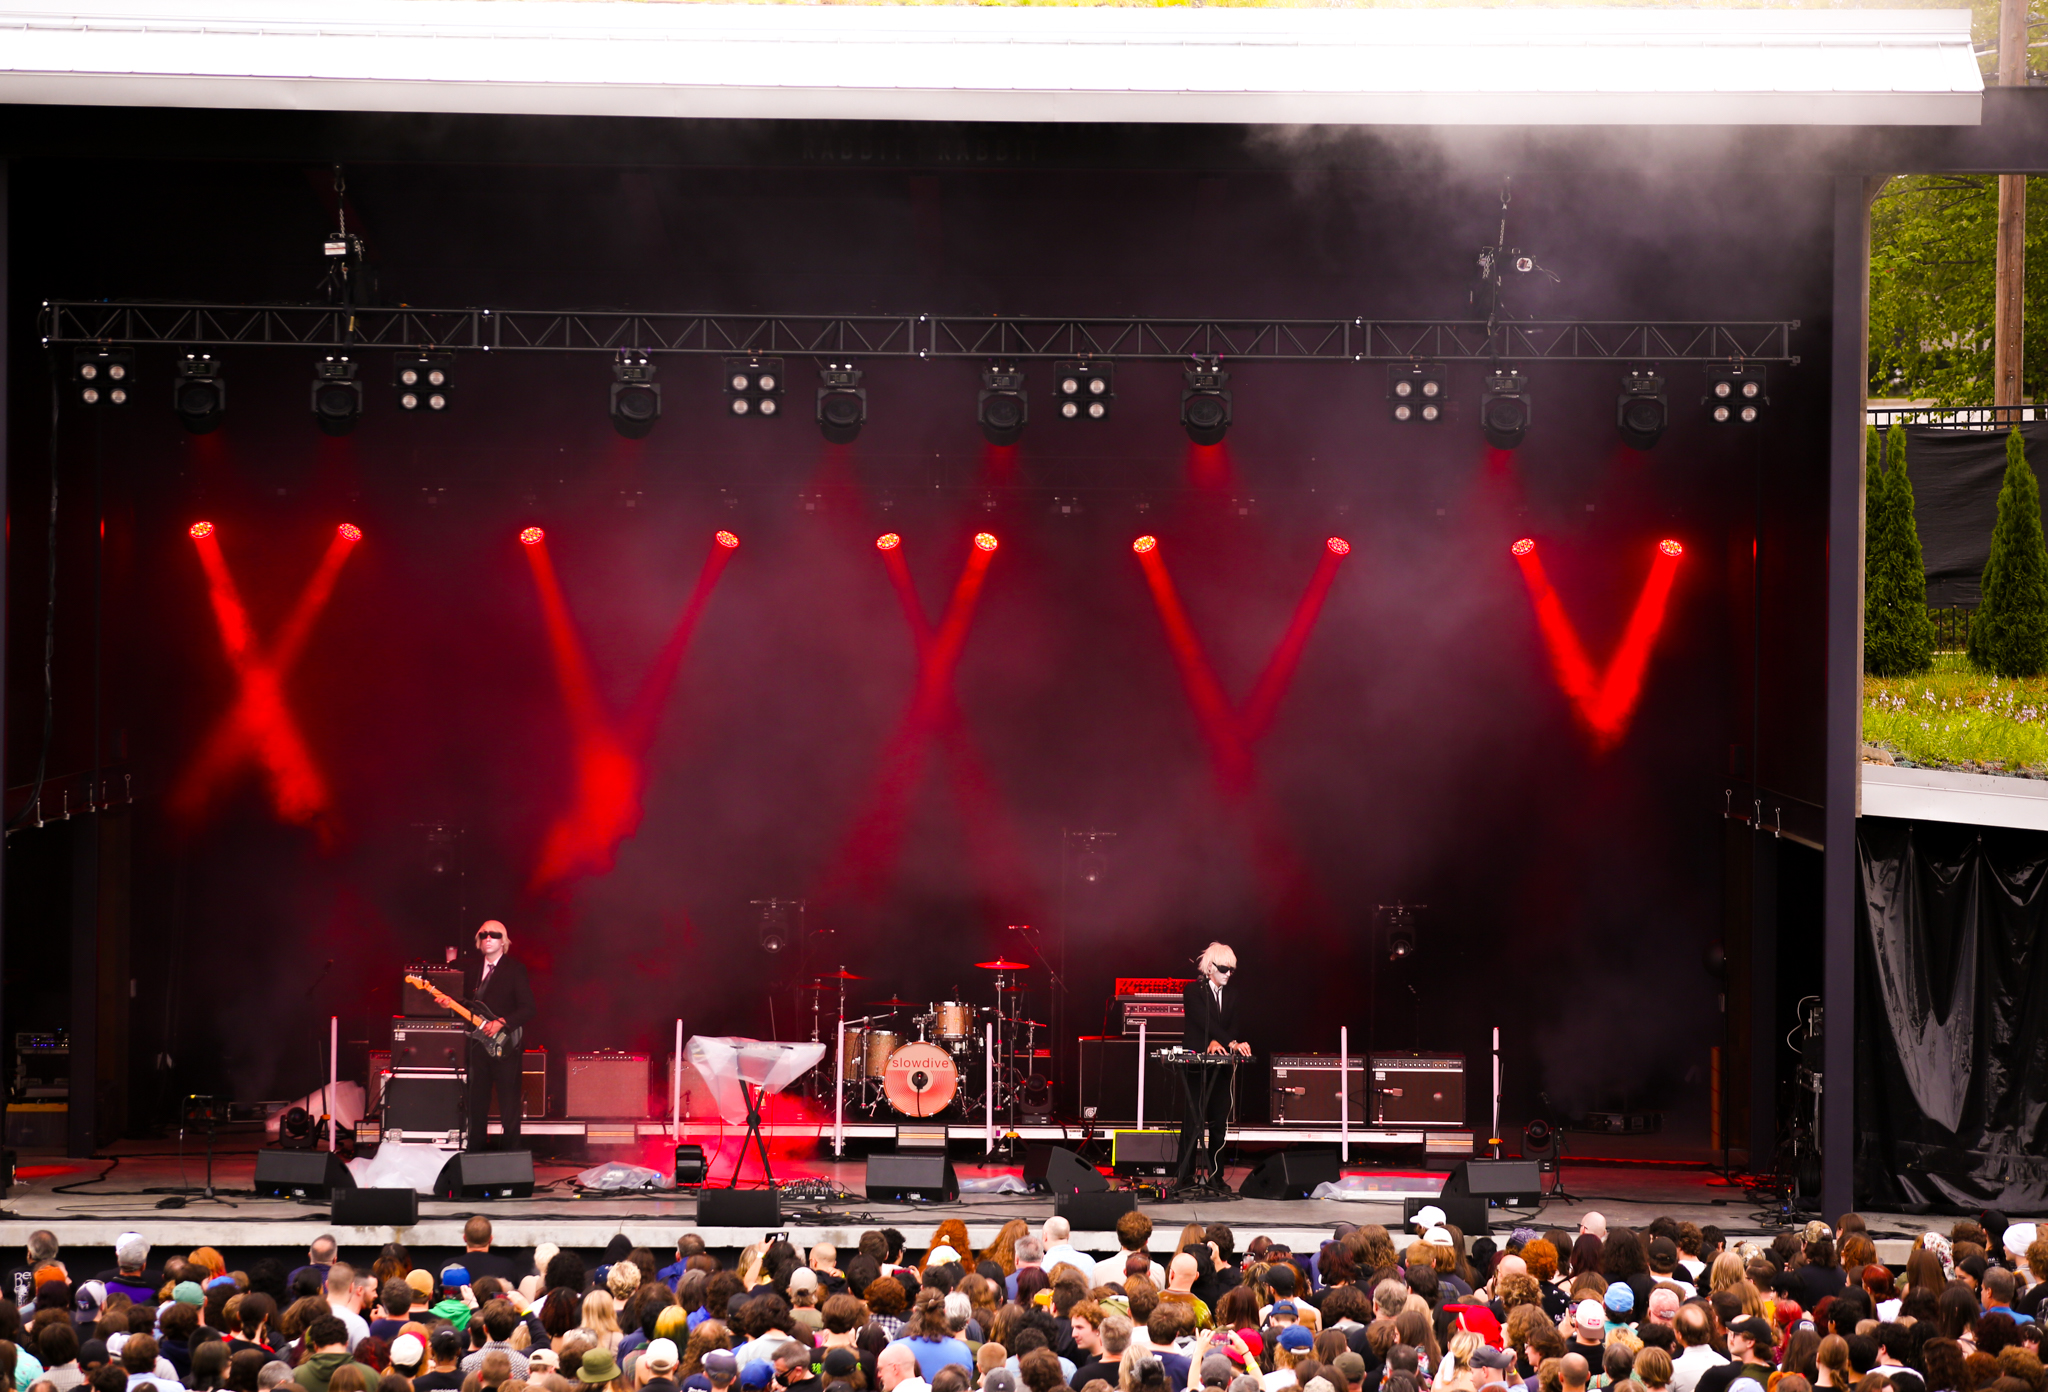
(920,1080)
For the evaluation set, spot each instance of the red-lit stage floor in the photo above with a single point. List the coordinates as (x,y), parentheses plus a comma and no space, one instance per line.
(1630,1193)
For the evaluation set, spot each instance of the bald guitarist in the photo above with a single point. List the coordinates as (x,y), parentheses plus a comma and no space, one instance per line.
(497,983)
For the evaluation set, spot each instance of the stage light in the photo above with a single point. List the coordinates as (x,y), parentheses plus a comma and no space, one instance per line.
(1399,922)
(691,1167)
(295,1129)
(1338,546)
(349,531)
(104,375)
(532,535)
(754,387)
(1083,390)
(1205,401)
(1642,411)
(1504,409)
(1416,391)
(842,402)
(198,395)
(985,541)
(1736,392)
(636,396)
(1524,546)
(337,396)
(200,531)
(888,541)
(1670,547)
(726,539)
(423,380)
(1541,1143)
(1145,545)
(1001,407)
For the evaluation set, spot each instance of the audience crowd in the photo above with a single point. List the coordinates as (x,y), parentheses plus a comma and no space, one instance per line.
(1670,1308)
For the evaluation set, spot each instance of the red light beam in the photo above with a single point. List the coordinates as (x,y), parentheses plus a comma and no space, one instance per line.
(1605,702)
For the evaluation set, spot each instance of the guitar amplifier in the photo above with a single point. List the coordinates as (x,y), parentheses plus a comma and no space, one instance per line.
(427,1043)
(607,1084)
(1418,1089)
(1303,1088)
(423,1100)
(533,1085)
(412,1001)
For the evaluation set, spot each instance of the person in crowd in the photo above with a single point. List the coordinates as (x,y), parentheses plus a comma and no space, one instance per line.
(1749,1342)
(131,1276)
(1056,1241)
(500,1318)
(1832,1357)
(1133,1235)
(482,1259)
(319,1256)
(1695,1330)
(345,1299)
(1999,1287)
(897,1370)
(929,1337)
(327,1344)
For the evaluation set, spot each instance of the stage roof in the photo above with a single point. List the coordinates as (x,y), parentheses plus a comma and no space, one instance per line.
(1394,67)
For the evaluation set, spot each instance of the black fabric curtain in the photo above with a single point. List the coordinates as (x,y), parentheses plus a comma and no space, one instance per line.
(1952,1015)
(1956,476)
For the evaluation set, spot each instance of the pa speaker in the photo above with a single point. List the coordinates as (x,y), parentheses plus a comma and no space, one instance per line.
(1050,1169)
(912,1175)
(376,1208)
(760,1209)
(1462,1211)
(1088,1213)
(1290,1174)
(310,1176)
(1502,1183)
(486,1174)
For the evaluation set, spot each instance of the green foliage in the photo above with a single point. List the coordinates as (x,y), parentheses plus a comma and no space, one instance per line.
(1898,637)
(2009,635)
(1951,716)
(1933,274)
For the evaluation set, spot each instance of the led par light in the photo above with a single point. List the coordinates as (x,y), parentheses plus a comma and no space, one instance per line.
(1083,390)
(1736,392)
(754,387)
(1416,391)
(104,375)
(422,380)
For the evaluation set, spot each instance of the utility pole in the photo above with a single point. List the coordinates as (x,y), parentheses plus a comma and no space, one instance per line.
(2012,222)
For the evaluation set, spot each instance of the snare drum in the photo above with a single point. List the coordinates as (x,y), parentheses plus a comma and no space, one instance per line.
(920,1080)
(952,1020)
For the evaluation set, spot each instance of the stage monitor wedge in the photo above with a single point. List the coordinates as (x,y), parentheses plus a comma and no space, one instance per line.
(1051,1169)
(1499,1183)
(310,1176)
(912,1175)
(759,1209)
(1290,1174)
(486,1174)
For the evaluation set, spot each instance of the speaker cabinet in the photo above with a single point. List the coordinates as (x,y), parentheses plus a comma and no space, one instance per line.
(426,1100)
(1108,1075)
(1144,1152)
(1463,1211)
(759,1209)
(486,1174)
(310,1176)
(1290,1174)
(1050,1169)
(1418,1089)
(607,1085)
(912,1175)
(376,1208)
(1303,1088)
(1094,1213)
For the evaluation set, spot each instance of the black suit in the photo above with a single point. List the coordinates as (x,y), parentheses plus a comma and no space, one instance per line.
(508,996)
(1205,1021)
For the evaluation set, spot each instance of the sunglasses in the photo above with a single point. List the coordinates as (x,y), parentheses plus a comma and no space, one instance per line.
(1223,971)
(489,937)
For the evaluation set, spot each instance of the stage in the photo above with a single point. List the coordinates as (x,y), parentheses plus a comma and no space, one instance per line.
(138,1176)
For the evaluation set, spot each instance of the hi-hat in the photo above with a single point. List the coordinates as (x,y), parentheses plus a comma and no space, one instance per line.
(893,1004)
(1003,964)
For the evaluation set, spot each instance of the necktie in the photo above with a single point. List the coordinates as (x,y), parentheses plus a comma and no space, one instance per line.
(485,982)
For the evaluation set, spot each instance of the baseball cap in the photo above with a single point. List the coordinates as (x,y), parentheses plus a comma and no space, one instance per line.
(721,1363)
(545,1358)
(1429,1215)
(89,1296)
(421,1281)
(1756,1330)
(1352,1366)
(1216,1371)
(841,1362)
(456,1275)
(1589,1316)
(661,1355)
(803,1278)
(1663,1249)
(1295,1338)
(1620,1298)
(1439,1236)
(407,1350)
(760,1373)
(188,1293)
(1498,1359)
(1284,1307)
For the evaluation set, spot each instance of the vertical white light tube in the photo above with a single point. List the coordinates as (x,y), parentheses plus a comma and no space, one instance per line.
(1344,1092)
(333,1080)
(1494,1135)
(988,1098)
(1141,1073)
(675,1091)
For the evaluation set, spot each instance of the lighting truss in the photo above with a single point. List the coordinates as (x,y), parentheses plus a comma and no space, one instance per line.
(919,335)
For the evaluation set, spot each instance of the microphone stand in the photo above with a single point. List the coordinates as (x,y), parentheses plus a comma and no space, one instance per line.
(319,1054)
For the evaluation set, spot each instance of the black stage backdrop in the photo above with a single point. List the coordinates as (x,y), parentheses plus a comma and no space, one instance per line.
(1953,975)
(1424,753)
(1956,475)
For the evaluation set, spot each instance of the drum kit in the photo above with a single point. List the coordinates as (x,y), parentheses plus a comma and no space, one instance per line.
(933,1062)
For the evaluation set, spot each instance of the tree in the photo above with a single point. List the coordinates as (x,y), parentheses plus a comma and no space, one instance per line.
(2009,634)
(1898,635)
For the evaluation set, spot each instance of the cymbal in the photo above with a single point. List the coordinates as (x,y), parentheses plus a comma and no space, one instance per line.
(893,1004)
(1003,964)
(1010,990)
(841,975)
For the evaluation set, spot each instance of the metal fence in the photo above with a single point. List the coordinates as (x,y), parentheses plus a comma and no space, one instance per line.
(1951,628)
(1951,417)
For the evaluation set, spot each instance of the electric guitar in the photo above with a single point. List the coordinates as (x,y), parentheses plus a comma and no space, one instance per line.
(494,1044)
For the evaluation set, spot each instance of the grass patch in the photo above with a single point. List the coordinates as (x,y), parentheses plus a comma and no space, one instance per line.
(1956,717)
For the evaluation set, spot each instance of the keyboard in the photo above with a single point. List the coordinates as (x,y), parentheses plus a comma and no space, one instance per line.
(1200,1058)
